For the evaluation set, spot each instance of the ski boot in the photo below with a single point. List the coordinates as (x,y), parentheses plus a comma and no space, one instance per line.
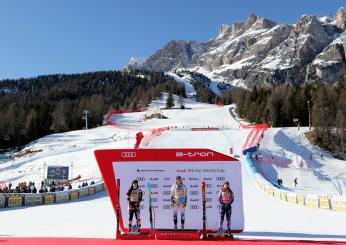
(182,226)
(229,234)
(134,228)
(220,230)
(175,227)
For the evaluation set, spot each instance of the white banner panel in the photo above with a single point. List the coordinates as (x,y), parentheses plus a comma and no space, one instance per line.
(162,176)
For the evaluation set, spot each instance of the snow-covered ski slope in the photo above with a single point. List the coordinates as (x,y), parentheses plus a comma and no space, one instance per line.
(76,147)
(93,217)
(287,154)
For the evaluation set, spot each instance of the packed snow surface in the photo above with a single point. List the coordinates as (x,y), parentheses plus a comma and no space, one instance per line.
(285,153)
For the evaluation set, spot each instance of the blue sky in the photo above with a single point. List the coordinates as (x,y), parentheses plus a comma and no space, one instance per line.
(70,36)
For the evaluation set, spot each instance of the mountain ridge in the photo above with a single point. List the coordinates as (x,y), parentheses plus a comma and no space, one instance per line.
(260,51)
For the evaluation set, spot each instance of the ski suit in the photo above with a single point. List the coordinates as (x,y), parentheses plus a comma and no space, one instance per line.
(134,197)
(226,198)
(178,200)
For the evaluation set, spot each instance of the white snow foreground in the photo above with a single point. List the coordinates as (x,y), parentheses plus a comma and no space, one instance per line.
(94,217)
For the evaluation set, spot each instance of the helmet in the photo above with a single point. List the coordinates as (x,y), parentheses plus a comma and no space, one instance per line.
(178,177)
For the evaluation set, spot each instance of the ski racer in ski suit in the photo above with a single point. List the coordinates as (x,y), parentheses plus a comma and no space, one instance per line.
(134,197)
(178,201)
(226,198)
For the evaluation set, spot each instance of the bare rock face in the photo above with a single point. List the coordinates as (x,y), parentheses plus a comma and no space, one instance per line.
(340,18)
(249,22)
(175,54)
(330,65)
(259,51)
(223,29)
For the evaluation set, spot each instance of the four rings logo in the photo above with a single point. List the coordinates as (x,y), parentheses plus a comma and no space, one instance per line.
(220,178)
(194,206)
(194,193)
(140,178)
(128,154)
(166,206)
(166,193)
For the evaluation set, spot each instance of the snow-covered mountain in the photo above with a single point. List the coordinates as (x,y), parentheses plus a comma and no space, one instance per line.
(260,51)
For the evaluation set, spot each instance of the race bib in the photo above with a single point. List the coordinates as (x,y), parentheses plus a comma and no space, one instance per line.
(134,197)
(181,200)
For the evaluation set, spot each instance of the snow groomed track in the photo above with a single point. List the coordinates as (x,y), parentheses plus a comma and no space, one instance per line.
(265,217)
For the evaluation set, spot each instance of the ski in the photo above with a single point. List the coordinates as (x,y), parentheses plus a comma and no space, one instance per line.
(150,206)
(118,207)
(204,218)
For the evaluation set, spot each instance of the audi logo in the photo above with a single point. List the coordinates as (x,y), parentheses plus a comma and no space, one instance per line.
(154,199)
(166,206)
(194,193)
(209,199)
(194,206)
(194,200)
(208,185)
(166,193)
(128,154)
(140,178)
(220,178)
(154,185)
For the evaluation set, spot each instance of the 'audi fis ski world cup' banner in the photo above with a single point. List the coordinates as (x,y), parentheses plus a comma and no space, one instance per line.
(160,167)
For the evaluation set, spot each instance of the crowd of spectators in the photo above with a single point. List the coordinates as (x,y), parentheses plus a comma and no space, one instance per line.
(85,184)
(22,187)
(54,186)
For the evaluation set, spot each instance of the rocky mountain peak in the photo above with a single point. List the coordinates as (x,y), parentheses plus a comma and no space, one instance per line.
(250,21)
(261,51)
(263,23)
(307,24)
(340,18)
(223,29)
(236,28)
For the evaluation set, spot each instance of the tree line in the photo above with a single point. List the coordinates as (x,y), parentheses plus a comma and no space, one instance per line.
(289,105)
(34,107)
